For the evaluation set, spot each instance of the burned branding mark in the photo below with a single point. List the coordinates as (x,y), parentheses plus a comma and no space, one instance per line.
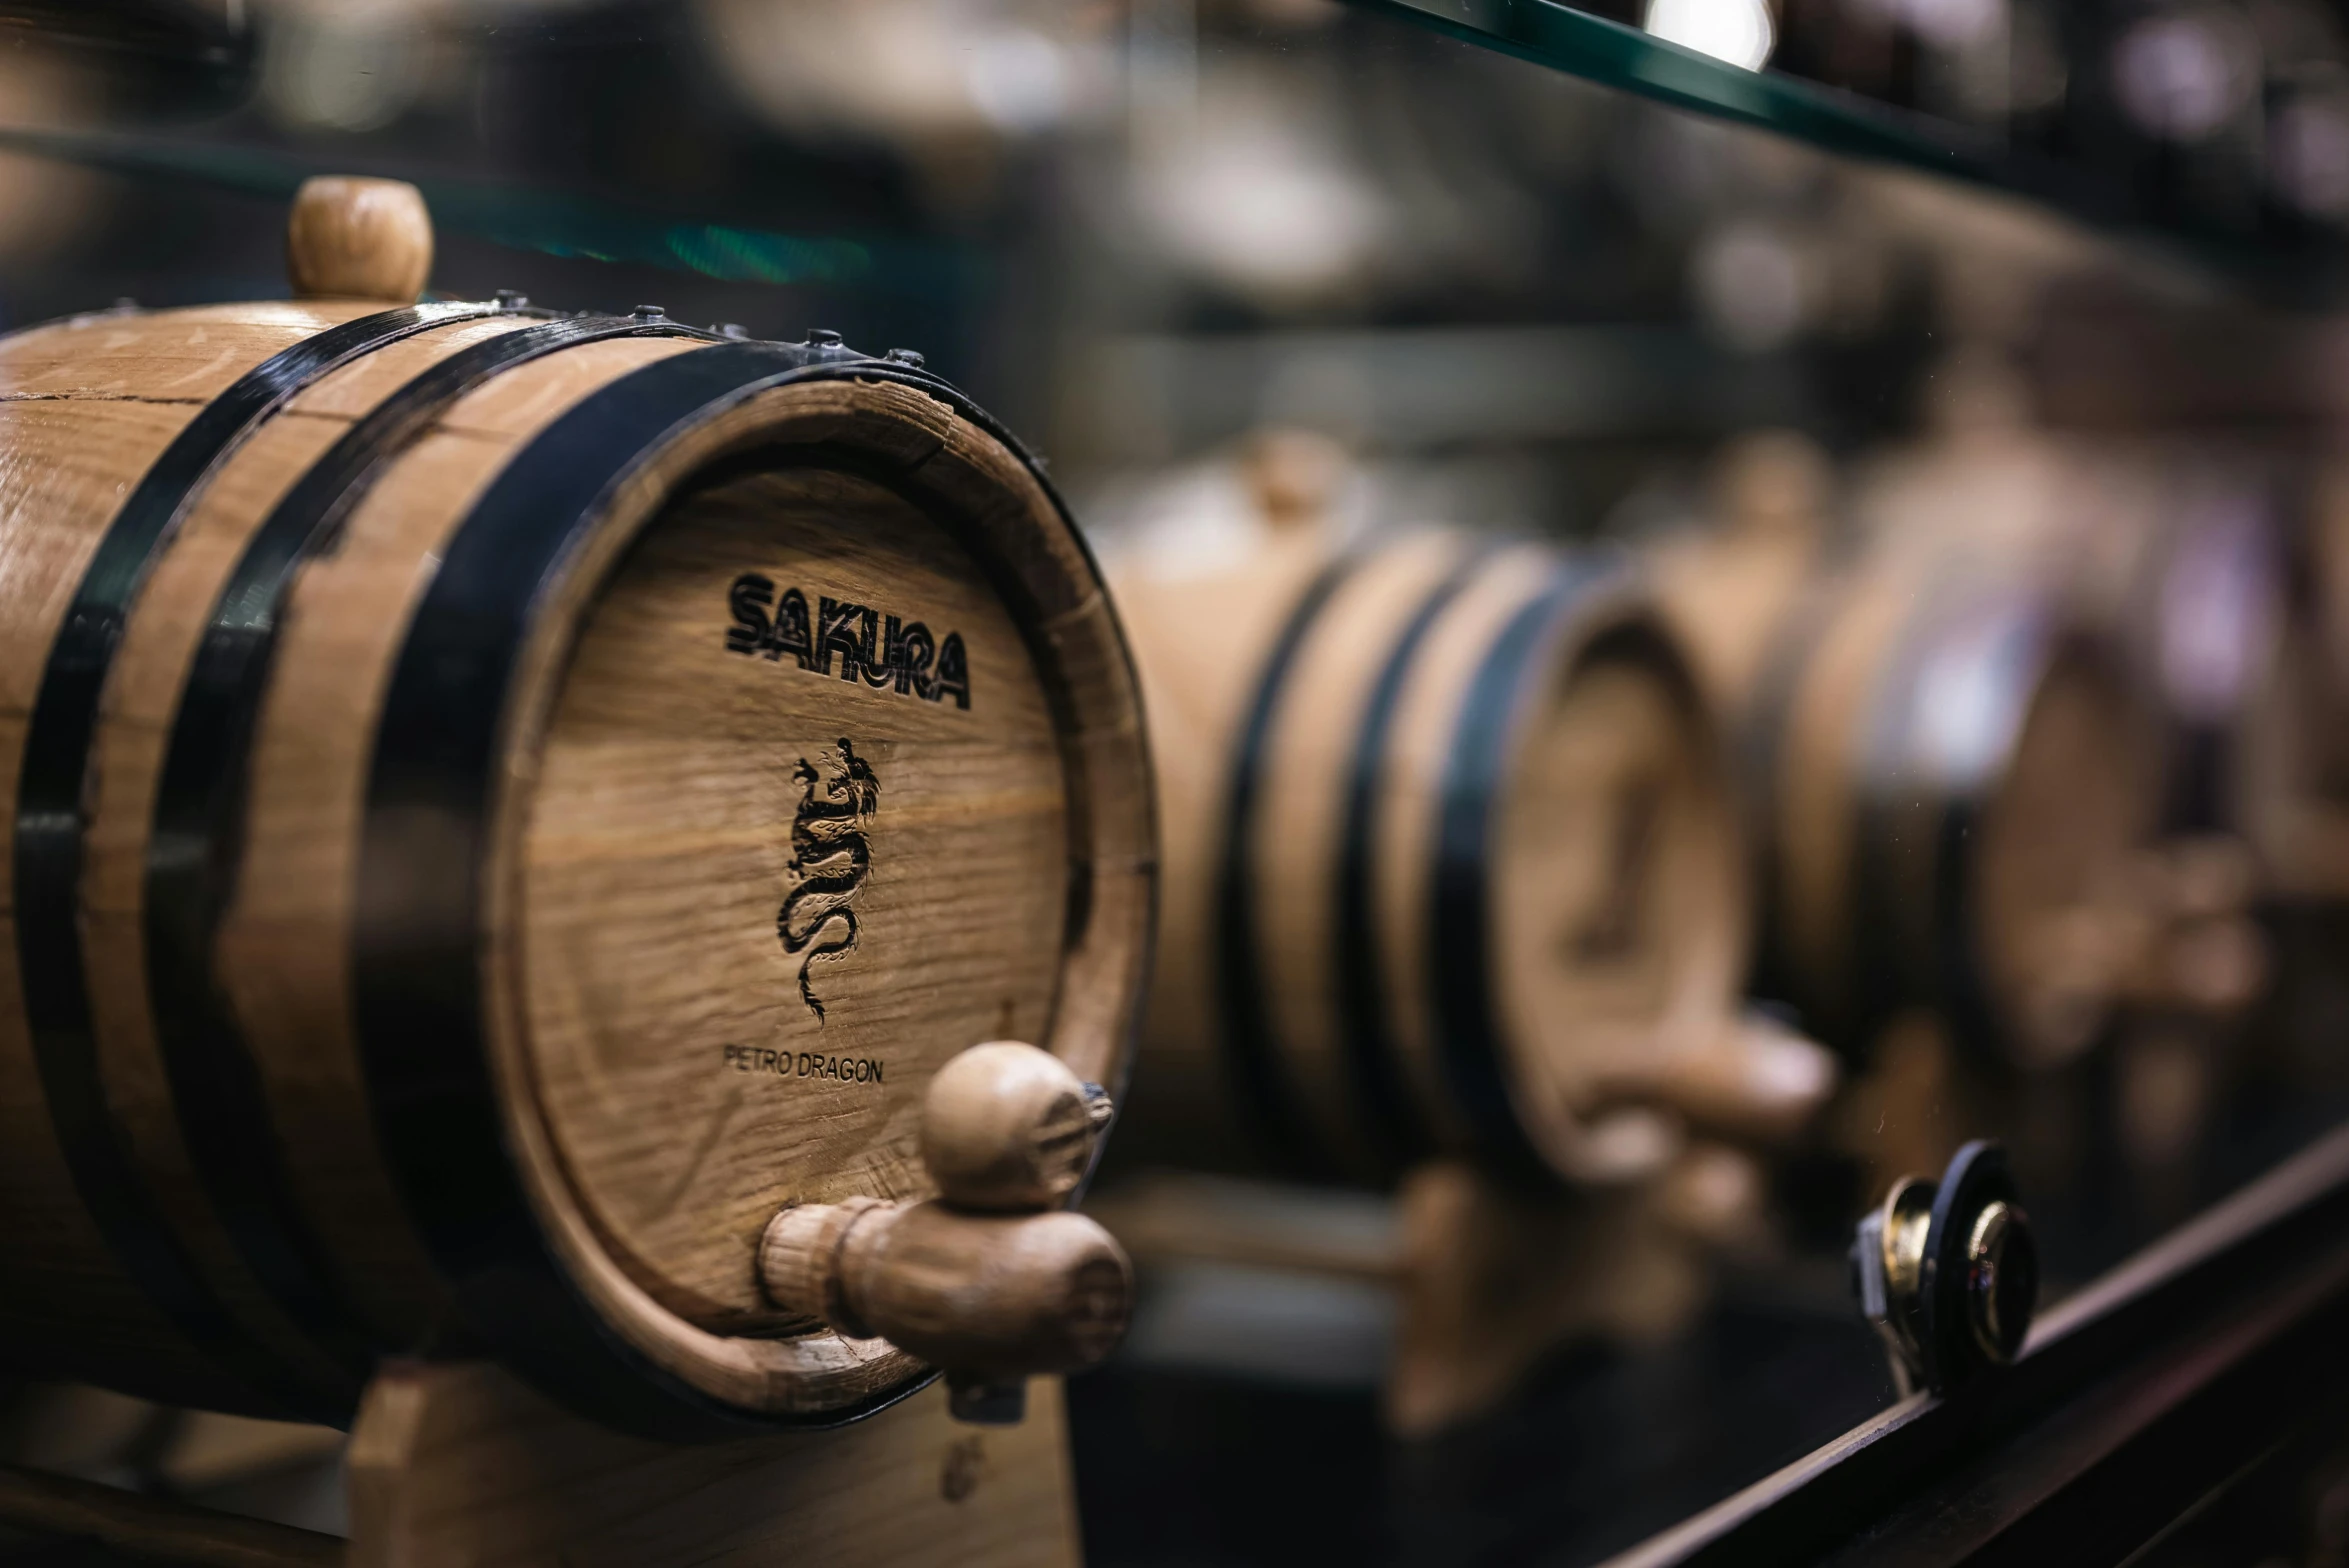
(884,651)
(804,1064)
(830,859)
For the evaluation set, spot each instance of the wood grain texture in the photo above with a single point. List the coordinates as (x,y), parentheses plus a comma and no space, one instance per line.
(156,1529)
(285,948)
(651,834)
(354,238)
(86,405)
(992,1281)
(141,697)
(995,1297)
(1199,641)
(998,512)
(457,1466)
(1006,1127)
(695,1072)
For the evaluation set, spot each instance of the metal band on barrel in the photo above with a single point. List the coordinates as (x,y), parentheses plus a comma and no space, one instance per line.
(1264,1095)
(418,925)
(198,830)
(1372,1056)
(50,826)
(1469,1048)
(1759,748)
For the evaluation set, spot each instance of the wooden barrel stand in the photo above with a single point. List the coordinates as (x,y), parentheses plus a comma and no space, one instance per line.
(457,1465)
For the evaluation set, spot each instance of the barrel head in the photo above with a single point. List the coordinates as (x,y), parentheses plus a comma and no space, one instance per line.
(799,835)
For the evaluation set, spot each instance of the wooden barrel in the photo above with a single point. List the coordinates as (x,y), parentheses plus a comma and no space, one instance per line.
(501,804)
(1956,778)
(1451,867)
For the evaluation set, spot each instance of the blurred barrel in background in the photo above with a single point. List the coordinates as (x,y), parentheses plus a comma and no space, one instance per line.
(2291,785)
(1956,780)
(501,804)
(1452,868)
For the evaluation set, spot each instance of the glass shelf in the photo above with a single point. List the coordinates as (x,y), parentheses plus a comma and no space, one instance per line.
(536,218)
(2283,255)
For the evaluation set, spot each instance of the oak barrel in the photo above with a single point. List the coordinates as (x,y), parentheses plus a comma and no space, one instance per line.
(1957,778)
(1451,867)
(501,804)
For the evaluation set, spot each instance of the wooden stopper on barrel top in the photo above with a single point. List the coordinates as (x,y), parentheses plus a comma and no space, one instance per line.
(966,1282)
(354,238)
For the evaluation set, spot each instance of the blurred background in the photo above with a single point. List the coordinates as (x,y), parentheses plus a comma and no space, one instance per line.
(1931,479)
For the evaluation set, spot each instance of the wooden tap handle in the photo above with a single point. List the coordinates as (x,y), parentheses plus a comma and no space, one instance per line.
(1748,1078)
(1007,1127)
(986,1296)
(351,238)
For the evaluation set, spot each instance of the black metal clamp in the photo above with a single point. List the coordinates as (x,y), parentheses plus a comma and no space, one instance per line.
(1948,1272)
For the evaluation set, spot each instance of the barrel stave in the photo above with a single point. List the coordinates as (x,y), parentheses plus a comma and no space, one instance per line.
(284,951)
(178,358)
(1296,857)
(1418,946)
(344,1312)
(659,756)
(94,401)
(1619,923)
(1199,639)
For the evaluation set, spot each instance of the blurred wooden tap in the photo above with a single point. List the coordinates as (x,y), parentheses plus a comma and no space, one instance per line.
(2198,948)
(1744,1076)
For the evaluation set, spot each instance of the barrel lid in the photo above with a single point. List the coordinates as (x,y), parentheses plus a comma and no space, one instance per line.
(820,763)
(1616,893)
(2061,829)
(800,833)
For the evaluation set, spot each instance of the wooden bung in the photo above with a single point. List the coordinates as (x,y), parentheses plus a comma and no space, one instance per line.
(1452,867)
(353,238)
(499,805)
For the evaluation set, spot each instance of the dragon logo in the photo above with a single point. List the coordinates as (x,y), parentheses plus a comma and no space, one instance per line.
(830,858)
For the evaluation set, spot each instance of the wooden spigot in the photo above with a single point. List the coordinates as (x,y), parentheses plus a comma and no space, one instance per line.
(989,1281)
(352,238)
(1744,1076)
(2169,931)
